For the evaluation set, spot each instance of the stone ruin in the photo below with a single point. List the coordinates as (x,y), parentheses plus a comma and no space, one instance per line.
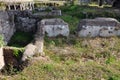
(7,26)
(7,29)
(55,27)
(35,48)
(27,23)
(103,27)
(8,57)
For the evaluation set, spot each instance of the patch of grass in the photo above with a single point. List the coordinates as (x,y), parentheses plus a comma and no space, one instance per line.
(18,51)
(72,21)
(71,71)
(110,60)
(82,12)
(114,78)
(93,59)
(48,67)
(55,41)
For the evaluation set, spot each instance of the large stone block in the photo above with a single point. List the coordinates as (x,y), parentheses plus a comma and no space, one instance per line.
(26,24)
(104,27)
(55,27)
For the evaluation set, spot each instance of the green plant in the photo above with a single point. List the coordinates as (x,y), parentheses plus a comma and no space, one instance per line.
(48,67)
(70,62)
(18,52)
(1,41)
(110,59)
(114,78)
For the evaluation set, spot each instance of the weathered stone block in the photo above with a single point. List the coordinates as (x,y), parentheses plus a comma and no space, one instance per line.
(7,28)
(29,52)
(26,24)
(104,27)
(55,27)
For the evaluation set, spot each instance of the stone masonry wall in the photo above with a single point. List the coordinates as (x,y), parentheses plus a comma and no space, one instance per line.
(7,28)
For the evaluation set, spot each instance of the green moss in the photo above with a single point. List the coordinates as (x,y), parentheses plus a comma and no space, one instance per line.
(1,41)
(21,39)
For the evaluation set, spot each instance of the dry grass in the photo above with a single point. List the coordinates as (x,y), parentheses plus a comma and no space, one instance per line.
(84,59)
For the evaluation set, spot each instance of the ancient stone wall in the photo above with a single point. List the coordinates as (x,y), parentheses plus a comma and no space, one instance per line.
(7,27)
